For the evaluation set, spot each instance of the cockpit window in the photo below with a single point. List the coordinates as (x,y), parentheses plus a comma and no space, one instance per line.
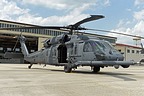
(108,45)
(101,45)
(96,47)
(87,47)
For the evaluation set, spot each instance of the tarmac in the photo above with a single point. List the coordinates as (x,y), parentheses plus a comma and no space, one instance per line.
(18,80)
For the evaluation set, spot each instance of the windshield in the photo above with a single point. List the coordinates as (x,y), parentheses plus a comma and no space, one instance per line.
(97,47)
(108,45)
(100,45)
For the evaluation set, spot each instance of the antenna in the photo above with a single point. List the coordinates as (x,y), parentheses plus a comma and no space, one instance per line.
(137,40)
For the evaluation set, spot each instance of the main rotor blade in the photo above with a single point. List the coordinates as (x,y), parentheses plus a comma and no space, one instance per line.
(76,26)
(35,27)
(93,17)
(115,33)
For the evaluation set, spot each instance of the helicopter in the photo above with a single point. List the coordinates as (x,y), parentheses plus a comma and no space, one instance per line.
(73,50)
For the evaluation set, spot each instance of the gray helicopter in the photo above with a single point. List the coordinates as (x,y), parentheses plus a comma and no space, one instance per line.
(73,50)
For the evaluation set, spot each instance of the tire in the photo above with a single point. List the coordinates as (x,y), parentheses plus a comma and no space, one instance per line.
(67,69)
(29,67)
(125,66)
(96,69)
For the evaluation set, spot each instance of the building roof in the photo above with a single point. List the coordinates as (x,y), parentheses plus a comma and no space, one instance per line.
(6,21)
(128,45)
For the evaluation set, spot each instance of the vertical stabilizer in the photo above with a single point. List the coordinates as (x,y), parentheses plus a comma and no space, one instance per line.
(23,46)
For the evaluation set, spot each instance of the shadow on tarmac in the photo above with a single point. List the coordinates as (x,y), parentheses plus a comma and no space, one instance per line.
(123,76)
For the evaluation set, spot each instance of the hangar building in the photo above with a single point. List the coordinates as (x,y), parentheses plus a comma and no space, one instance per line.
(130,52)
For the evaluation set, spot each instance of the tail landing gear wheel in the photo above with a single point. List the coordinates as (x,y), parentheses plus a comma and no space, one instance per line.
(67,69)
(96,69)
(30,66)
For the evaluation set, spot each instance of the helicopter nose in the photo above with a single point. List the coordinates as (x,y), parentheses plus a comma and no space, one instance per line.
(100,56)
(114,57)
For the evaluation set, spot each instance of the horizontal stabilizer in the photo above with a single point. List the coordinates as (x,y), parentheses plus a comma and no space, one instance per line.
(13,55)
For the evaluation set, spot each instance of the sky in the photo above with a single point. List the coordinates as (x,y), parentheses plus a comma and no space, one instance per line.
(124,16)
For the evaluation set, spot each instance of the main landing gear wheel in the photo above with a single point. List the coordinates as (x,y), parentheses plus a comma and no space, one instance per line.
(67,69)
(96,69)
(125,66)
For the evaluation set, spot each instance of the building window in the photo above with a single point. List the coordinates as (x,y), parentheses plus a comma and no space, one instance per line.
(128,51)
(1,48)
(133,51)
(17,49)
(38,31)
(9,49)
(32,50)
(137,51)
(2,25)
